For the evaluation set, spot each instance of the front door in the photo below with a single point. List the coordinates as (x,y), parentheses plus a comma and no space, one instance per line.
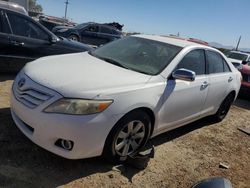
(27,41)
(89,35)
(184,100)
(4,43)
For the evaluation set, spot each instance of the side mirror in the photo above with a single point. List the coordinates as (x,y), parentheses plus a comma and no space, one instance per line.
(53,40)
(184,74)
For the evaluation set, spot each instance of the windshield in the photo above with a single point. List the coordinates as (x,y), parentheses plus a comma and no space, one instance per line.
(138,54)
(80,26)
(237,56)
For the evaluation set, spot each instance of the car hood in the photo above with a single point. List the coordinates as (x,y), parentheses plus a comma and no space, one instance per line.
(83,76)
(73,45)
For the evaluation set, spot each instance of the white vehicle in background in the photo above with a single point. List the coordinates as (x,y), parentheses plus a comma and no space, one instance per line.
(112,100)
(237,57)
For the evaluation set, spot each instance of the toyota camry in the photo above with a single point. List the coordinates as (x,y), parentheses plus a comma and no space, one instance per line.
(112,100)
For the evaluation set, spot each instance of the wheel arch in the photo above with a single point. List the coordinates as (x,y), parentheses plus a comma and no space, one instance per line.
(232,92)
(147,110)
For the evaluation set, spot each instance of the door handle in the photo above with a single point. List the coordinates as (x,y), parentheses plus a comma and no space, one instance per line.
(16,43)
(204,85)
(230,79)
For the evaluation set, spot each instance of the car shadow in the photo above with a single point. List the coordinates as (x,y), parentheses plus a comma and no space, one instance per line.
(243,101)
(181,131)
(24,164)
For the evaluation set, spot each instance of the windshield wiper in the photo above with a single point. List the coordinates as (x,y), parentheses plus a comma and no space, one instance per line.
(114,62)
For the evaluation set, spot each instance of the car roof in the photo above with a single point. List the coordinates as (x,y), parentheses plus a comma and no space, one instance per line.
(13,7)
(171,40)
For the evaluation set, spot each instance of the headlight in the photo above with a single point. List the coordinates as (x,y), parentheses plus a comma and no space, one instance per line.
(78,106)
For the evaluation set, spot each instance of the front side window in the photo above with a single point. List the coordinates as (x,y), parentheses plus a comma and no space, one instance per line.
(92,28)
(215,62)
(194,61)
(138,54)
(23,27)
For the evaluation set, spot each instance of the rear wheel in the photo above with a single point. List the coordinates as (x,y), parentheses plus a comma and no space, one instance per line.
(224,108)
(128,136)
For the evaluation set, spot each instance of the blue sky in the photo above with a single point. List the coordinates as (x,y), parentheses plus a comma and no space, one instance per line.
(220,21)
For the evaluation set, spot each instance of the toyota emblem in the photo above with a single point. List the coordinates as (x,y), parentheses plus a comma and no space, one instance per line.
(21,82)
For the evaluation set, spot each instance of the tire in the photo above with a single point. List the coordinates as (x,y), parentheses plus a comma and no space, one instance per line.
(128,136)
(74,38)
(224,108)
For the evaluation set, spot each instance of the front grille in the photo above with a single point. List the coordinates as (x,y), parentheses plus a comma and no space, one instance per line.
(31,97)
(245,77)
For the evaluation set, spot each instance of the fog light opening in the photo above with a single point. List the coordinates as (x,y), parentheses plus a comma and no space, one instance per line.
(65,144)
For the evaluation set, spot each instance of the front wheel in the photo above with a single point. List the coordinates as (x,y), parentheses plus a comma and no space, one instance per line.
(224,108)
(74,38)
(128,136)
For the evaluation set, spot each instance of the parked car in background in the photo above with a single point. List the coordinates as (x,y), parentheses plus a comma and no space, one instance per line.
(237,56)
(245,71)
(116,97)
(241,61)
(89,33)
(22,40)
(51,21)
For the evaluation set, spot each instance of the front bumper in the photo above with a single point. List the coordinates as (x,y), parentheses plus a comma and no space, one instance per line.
(88,132)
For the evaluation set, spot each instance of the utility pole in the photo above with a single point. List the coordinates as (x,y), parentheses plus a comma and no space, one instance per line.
(238,44)
(66,9)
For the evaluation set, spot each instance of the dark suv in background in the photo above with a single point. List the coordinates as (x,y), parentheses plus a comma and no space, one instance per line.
(89,33)
(22,40)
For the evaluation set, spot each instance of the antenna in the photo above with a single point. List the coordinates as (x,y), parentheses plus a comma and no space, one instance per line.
(238,44)
(66,8)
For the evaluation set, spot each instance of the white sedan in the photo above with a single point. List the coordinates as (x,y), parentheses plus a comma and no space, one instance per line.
(112,100)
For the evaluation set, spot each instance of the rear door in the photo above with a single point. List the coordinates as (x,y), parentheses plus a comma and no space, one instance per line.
(27,40)
(220,78)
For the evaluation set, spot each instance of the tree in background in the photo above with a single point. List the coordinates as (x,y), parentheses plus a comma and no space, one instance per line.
(33,6)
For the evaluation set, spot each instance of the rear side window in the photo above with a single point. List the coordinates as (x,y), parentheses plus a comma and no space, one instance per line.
(106,30)
(194,61)
(23,27)
(226,67)
(215,62)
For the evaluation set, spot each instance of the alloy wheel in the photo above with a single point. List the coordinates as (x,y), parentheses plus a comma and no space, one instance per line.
(129,139)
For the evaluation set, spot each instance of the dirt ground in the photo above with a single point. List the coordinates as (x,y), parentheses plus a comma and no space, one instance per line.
(182,157)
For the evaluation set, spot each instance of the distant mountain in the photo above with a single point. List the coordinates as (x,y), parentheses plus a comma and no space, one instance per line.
(218,45)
